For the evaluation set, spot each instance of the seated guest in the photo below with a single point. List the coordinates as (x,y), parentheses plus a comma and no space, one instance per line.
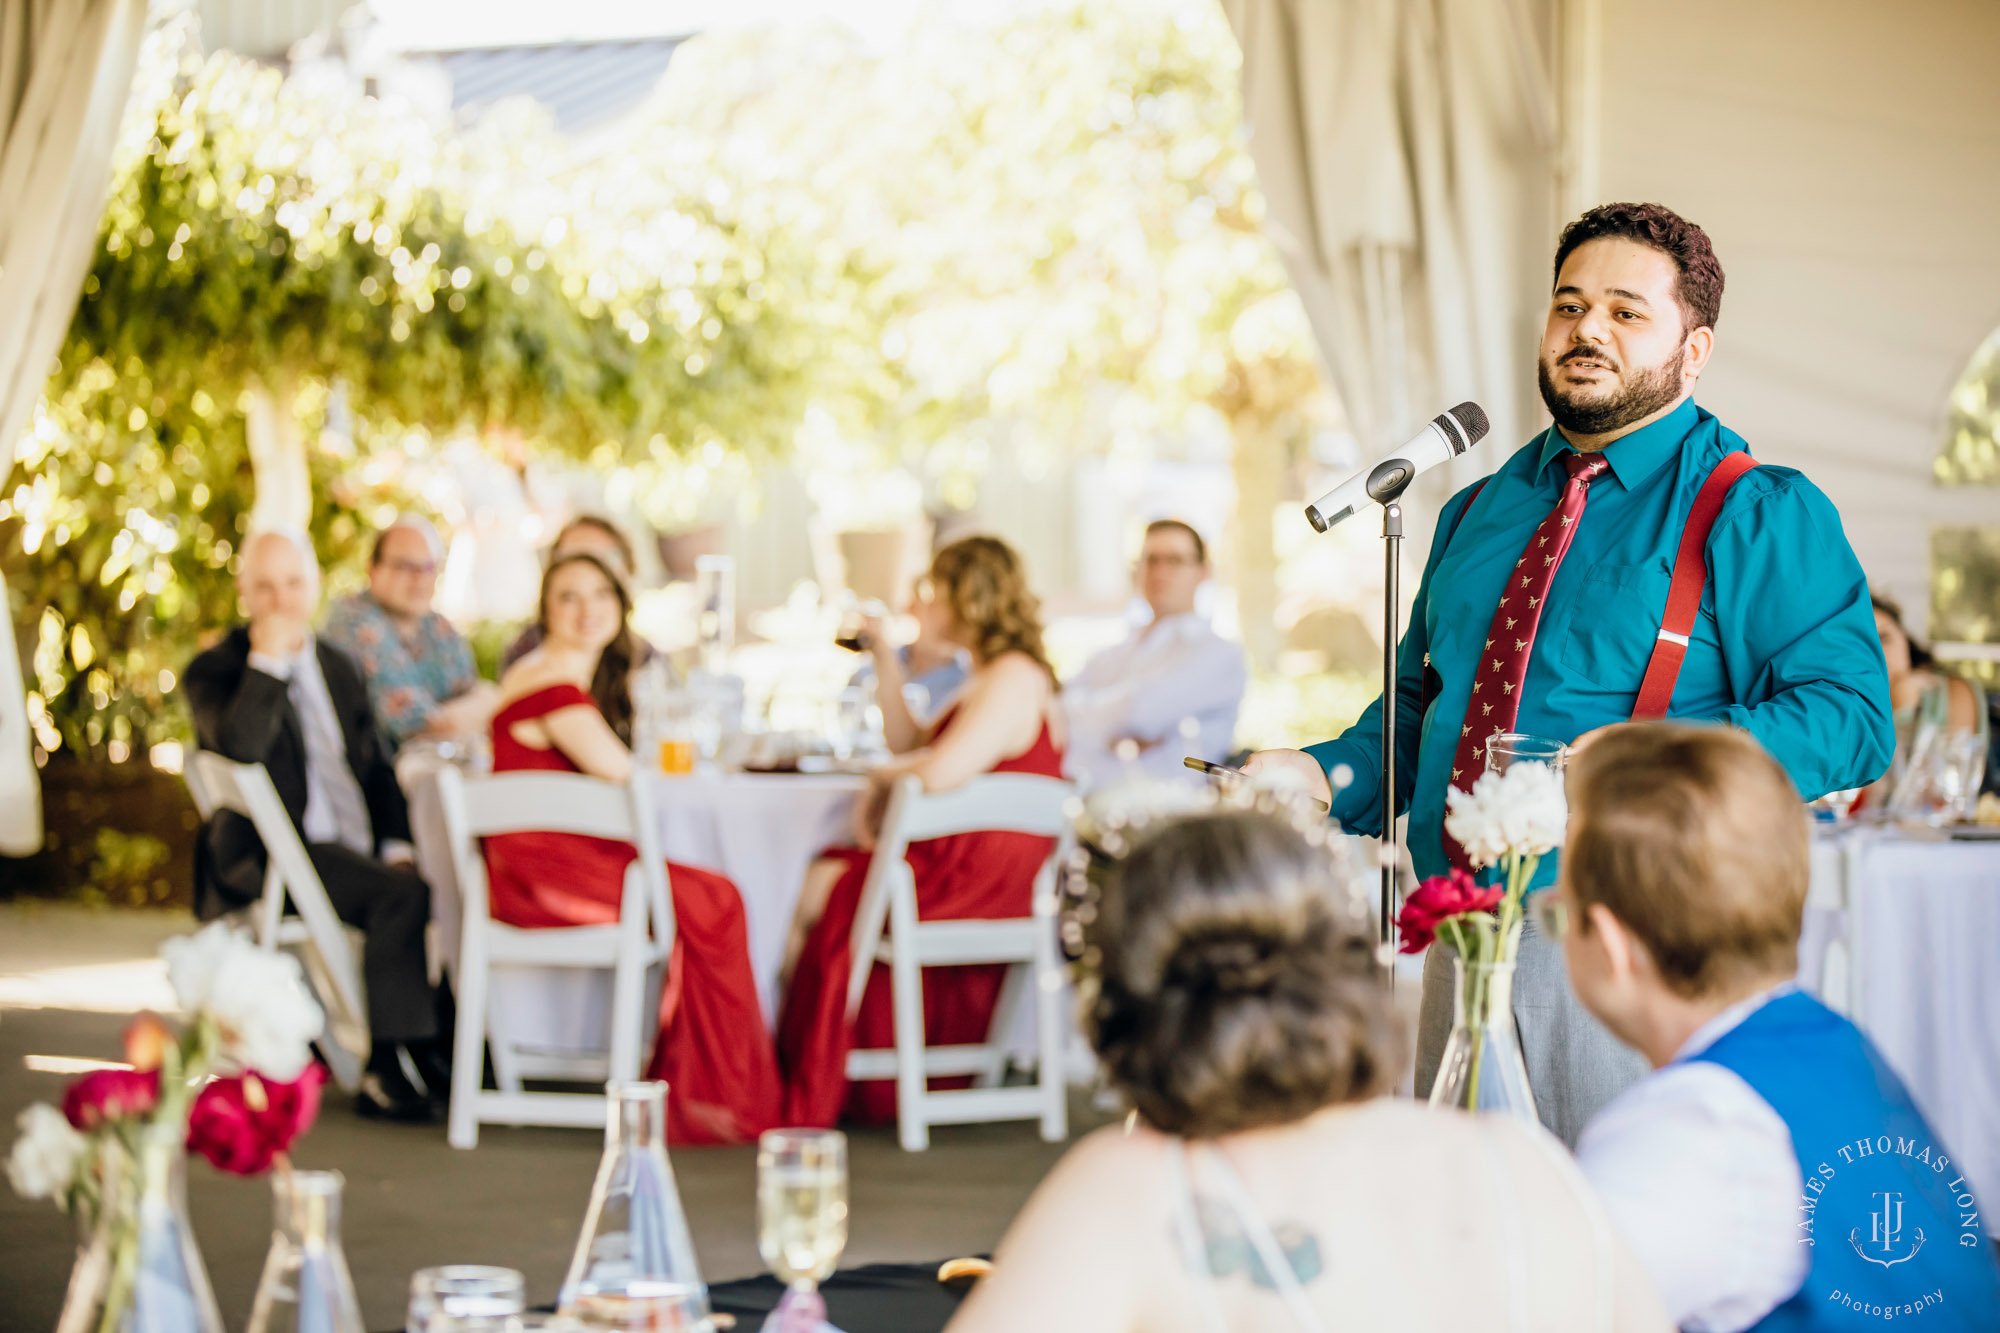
(419,668)
(1748,1171)
(1267,1180)
(600,537)
(1004,720)
(566,707)
(925,672)
(271,693)
(1130,707)
(1931,703)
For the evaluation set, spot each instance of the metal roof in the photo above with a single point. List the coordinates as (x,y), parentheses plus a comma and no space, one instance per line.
(584,84)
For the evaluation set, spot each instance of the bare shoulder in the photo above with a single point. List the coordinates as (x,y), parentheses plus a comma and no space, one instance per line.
(534,671)
(1015,671)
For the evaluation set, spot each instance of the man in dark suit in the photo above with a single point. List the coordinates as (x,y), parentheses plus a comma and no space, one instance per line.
(271,694)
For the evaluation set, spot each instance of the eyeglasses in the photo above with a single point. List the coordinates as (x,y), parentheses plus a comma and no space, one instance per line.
(1549,912)
(411,566)
(1167,561)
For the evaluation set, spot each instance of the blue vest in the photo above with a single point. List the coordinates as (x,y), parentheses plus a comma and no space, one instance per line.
(1894,1230)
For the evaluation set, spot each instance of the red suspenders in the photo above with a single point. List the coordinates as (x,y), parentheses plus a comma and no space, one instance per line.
(1656,691)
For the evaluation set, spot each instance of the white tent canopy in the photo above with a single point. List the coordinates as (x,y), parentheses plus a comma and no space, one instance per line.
(65,66)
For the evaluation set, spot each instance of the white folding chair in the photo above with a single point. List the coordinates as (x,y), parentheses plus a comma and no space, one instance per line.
(317,932)
(998,802)
(633,949)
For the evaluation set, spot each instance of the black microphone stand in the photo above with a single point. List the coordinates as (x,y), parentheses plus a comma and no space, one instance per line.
(1386,485)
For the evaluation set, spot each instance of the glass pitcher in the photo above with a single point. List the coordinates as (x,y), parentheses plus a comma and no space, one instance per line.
(306,1287)
(634,1265)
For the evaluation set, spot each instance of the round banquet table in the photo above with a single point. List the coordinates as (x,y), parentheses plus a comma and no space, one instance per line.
(1903,936)
(762,830)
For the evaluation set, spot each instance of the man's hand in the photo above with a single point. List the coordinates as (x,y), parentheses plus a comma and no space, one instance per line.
(276,635)
(1301,770)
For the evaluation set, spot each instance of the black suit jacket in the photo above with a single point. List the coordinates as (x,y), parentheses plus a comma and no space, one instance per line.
(246,715)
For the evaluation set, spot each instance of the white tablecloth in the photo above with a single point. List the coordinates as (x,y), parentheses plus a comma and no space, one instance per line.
(1903,935)
(761,830)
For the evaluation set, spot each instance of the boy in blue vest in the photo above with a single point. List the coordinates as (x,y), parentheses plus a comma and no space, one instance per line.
(1771,1172)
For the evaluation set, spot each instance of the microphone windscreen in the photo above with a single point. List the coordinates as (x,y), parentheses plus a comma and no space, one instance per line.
(1471,418)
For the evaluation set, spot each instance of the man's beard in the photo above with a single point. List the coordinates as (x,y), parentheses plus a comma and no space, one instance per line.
(1635,400)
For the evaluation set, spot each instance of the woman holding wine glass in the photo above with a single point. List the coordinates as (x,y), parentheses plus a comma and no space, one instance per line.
(566,707)
(1004,720)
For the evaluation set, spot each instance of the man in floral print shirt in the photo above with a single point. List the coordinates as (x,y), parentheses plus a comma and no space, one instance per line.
(421,679)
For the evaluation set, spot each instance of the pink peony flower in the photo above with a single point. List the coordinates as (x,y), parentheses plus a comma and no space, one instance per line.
(110,1094)
(1437,900)
(241,1124)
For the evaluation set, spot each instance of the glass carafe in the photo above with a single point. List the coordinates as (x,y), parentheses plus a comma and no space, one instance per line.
(634,1265)
(1482,1069)
(139,1270)
(306,1287)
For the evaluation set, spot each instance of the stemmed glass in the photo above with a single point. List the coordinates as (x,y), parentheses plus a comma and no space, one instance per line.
(801,1217)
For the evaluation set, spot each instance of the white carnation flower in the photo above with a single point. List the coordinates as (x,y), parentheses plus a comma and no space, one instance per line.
(257,998)
(46,1156)
(1521,812)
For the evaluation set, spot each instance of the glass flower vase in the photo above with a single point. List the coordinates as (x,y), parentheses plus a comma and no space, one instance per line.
(634,1265)
(306,1287)
(138,1270)
(1483,1069)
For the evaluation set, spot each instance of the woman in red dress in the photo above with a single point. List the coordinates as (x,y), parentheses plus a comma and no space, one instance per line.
(566,707)
(1004,720)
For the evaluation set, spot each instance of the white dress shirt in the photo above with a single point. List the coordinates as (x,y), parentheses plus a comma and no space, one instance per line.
(1699,1176)
(1146,688)
(336,811)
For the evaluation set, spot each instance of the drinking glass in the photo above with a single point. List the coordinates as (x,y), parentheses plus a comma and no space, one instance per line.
(465,1298)
(1513,747)
(801,1214)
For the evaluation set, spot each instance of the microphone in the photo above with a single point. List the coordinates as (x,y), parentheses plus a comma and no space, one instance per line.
(1448,435)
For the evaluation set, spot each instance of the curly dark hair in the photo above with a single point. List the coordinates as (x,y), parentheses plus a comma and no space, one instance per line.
(1699,289)
(1232,992)
(985,586)
(611,683)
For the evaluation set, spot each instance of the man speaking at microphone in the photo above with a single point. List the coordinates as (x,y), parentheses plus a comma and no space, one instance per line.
(1547,592)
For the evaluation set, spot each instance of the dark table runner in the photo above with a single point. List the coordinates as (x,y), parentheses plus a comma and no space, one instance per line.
(876,1298)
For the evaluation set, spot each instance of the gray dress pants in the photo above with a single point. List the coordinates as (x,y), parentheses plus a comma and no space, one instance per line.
(1574,1064)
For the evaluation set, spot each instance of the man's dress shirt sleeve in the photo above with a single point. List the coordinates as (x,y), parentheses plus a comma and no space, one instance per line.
(1698,1176)
(1798,638)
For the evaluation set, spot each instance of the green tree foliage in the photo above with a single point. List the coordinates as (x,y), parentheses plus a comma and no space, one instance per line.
(294,235)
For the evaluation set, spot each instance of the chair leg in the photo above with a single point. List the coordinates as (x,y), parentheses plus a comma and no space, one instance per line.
(906,977)
(628,989)
(467,1050)
(1048,991)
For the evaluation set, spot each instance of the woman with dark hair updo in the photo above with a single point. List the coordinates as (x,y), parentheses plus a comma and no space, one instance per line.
(566,707)
(1002,720)
(1265,1181)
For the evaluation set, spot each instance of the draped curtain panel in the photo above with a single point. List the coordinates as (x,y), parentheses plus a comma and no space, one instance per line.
(65,68)
(1407,151)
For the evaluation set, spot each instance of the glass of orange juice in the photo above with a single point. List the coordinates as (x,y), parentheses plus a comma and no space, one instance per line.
(676,754)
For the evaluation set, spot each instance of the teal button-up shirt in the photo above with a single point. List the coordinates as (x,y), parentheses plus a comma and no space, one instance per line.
(1784,646)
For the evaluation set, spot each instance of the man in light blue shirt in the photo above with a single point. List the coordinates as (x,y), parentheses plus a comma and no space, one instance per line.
(1784,645)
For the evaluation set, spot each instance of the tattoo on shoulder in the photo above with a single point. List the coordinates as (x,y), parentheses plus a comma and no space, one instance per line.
(1229,1252)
